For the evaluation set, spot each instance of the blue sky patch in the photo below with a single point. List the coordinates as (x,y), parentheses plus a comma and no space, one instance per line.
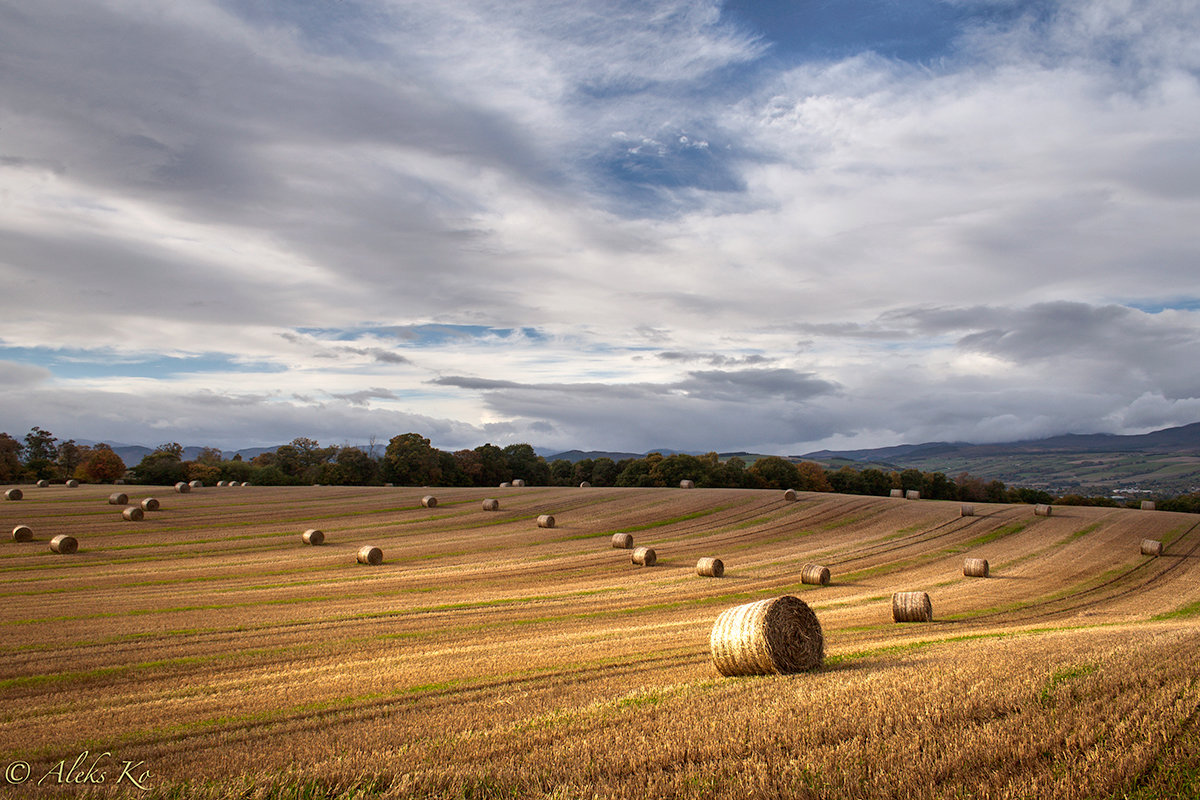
(82,364)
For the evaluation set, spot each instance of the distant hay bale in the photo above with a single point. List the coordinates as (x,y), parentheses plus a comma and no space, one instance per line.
(789,494)
(196,484)
(313,536)
(912,494)
(966,510)
(686,484)
(768,637)
(1150,547)
(622,541)
(1042,510)
(118,499)
(546,521)
(912,607)
(72,484)
(518,483)
(13,494)
(1147,505)
(22,533)
(133,514)
(43,483)
(429,501)
(64,544)
(710,567)
(585,485)
(975,567)
(183,488)
(368,554)
(815,575)
(506,485)
(149,504)
(222,483)
(897,493)
(645,556)
(491,504)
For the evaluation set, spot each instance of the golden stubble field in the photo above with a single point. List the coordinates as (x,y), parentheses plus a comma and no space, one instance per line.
(207,652)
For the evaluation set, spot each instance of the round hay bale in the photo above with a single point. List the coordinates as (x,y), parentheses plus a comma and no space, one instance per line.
(491,504)
(912,607)
(645,556)
(64,544)
(975,567)
(518,483)
(149,504)
(72,484)
(196,484)
(710,567)
(118,499)
(815,575)
(912,494)
(222,483)
(896,493)
(369,554)
(314,537)
(429,501)
(966,510)
(779,636)
(133,514)
(789,494)
(585,485)
(1150,547)
(546,521)
(686,484)
(1147,505)
(43,483)
(13,494)
(622,541)
(506,485)
(1042,510)
(22,533)
(183,488)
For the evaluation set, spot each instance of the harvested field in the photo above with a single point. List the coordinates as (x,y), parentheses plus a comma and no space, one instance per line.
(488,657)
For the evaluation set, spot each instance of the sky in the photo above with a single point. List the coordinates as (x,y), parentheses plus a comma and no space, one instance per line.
(765,226)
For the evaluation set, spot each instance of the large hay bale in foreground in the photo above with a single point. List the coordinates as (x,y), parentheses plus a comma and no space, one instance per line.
(369,554)
(72,484)
(314,537)
(546,521)
(710,567)
(429,501)
(789,494)
(149,504)
(1147,505)
(13,494)
(183,488)
(975,567)
(686,484)
(815,574)
(912,494)
(645,556)
(64,544)
(22,533)
(912,607)
(1042,510)
(1150,547)
(491,504)
(896,493)
(43,483)
(118,499)
(966,510)
(779,636)
(622,541)
(133,514)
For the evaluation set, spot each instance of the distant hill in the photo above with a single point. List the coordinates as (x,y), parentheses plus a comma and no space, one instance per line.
(1166,461)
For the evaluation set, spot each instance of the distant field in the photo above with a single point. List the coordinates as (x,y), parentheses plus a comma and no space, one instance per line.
(490,658)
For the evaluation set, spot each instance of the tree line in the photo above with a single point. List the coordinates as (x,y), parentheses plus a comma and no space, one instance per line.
(411,460)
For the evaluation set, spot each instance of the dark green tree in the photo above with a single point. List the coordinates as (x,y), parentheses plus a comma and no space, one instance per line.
(775,473)
(410,460)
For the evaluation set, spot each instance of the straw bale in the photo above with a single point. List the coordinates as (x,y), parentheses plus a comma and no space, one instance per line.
(491,504)
(518,483)
(622,541)
(546,521)
(645,556)
(815,574)
(22,533)
(966,510)
(778,636)
(368,554)
(1150,547)
(64,544)
(912,607)
(710,567)
(975,567)
(118,499)
(149,504)
(789,494)
(585,485)
(183,488)
(196,484)
(506,485)
(897,493)
(429,501)
(133,514)
(313,536)
(222,483)
(72,484)
(43,483)
(912,494)
(13,494)
(1147,505)
(686,484)
(1042,510)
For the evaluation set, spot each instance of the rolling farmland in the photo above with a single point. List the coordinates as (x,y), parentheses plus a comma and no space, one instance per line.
(219,655)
